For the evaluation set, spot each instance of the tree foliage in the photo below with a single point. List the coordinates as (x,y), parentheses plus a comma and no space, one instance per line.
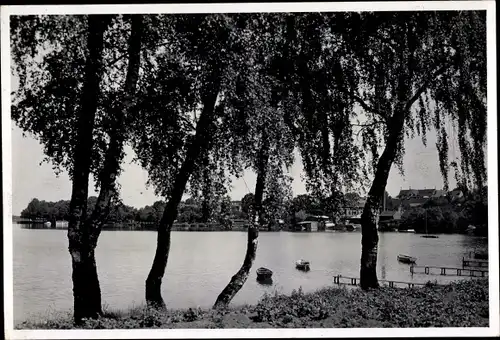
(442,57)
(48,54)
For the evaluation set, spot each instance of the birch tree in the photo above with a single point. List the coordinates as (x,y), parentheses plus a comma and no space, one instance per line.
(65,100)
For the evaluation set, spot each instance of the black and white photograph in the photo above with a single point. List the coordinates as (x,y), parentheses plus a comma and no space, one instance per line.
(250,170)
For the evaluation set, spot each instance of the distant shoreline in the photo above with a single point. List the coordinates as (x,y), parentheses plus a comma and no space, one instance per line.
(234,229)
(239,225)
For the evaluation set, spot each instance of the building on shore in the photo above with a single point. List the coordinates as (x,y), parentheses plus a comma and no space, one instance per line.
(406,194)
(355,208)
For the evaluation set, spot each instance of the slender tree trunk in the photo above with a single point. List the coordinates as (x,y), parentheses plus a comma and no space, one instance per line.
(239,279)
(83,240)
(114,152)
(369,217)
(198,146)
(86,291)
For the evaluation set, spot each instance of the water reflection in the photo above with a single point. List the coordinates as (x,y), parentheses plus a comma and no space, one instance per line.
(265,281)
(382,258)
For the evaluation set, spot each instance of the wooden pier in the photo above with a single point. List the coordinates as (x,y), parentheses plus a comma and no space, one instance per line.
(449,271)
(469,262)
(354,281)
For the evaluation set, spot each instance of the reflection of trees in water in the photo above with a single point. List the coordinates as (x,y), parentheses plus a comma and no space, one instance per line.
(382,256)
(474,244)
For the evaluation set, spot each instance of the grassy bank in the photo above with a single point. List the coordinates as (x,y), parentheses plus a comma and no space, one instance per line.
(459,304)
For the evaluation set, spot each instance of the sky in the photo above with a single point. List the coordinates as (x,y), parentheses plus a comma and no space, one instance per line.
(32,178)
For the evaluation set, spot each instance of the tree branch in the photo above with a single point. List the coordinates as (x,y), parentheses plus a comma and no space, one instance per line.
(424,86)
(365,106)
(369,124)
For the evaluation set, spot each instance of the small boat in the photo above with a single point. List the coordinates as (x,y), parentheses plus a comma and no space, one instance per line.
(303,265)
(406,259)
(264,274)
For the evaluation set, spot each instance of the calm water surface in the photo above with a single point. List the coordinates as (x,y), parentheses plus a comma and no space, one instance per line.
(202,263)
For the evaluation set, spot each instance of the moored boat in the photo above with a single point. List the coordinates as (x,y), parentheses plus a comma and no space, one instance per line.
(406,259)
(264,273)
(303,265)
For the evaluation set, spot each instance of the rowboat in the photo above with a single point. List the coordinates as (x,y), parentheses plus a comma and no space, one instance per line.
(303,265)
(406,259)
(264,274)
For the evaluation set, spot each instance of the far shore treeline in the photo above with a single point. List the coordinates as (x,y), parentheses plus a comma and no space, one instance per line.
(443,215)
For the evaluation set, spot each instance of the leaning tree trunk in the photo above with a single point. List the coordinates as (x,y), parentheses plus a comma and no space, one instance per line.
(86,291)
(85,279)
(197,147)
(369,217)
(239,279)
(114,152)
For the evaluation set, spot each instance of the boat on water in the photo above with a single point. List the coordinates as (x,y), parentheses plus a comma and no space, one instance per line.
(407,259)
(303,265)
(264,274)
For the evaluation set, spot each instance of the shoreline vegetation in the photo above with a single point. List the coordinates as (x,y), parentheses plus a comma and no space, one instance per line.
(461,303)
(463,215)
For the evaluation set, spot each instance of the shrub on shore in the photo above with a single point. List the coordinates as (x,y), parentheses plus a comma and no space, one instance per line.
(458,304)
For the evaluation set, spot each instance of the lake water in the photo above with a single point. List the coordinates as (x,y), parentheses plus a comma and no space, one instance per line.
(202,263)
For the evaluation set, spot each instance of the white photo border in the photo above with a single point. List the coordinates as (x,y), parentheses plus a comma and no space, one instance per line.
(489,6)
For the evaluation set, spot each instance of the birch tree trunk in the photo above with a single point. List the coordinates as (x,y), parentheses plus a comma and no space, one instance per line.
(239,279)
(86,290)
(369,217)
(113,154)
(83,239)
(197,147)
